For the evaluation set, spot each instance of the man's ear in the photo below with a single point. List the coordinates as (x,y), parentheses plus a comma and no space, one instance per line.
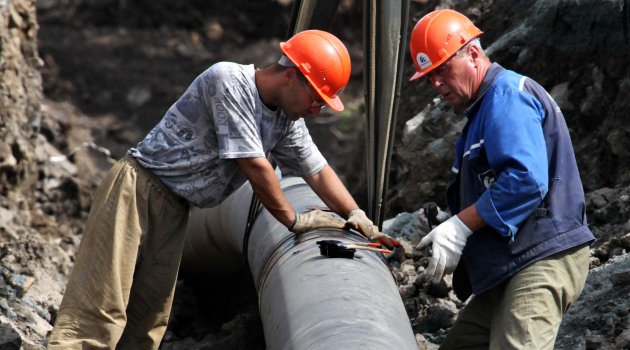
(474,52)
(290,74)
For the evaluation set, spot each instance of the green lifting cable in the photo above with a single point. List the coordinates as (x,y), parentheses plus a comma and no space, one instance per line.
(384,43)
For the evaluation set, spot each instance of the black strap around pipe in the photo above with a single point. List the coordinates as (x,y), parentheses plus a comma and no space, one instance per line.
(306,14)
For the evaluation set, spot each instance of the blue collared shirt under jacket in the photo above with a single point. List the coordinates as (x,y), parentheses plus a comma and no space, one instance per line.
(515,161)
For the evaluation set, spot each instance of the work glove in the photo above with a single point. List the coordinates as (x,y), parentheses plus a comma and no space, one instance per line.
(315,219)
(359,221)
(448,239)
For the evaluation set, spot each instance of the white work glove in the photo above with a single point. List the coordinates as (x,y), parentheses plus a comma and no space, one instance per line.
(359,221)
(448,239)
(315,219)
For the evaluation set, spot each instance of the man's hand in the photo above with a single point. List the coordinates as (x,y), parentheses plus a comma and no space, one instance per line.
(315,219)
(359,221)
(448,239)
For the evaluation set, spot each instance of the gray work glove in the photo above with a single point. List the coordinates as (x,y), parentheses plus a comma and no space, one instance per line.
(360,222)
(449,240)
(315,219)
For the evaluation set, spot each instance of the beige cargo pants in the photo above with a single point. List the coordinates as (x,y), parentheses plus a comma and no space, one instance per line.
(525,311)
(120,291)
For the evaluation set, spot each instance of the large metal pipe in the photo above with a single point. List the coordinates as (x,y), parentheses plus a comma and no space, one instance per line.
(306,300)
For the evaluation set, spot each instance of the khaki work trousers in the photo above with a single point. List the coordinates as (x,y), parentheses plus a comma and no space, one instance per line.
(525,311)
(121,288)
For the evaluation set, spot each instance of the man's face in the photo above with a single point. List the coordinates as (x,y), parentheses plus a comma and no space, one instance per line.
(455,80)
(307,101)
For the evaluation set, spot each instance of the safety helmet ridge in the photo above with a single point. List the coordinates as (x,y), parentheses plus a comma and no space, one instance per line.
(437,36)
(323,60)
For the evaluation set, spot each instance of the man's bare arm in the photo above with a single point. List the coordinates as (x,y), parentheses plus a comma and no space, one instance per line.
(266,186)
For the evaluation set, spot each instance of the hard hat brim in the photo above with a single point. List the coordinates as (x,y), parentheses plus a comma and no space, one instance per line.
(416,76)
(334,103)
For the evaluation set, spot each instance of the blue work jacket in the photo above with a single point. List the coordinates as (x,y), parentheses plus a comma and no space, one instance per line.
(515,161)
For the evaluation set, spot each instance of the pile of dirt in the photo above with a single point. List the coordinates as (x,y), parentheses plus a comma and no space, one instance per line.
(84,80)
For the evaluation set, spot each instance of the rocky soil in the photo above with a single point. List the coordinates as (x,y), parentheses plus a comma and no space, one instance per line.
(83,80)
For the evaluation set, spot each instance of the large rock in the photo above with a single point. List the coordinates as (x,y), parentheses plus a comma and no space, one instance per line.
(31,269)
(20,94)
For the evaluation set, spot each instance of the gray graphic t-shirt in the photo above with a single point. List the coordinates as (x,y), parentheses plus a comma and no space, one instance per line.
(220,117)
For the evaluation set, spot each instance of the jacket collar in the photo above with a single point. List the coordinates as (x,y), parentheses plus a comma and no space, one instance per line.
(491,75)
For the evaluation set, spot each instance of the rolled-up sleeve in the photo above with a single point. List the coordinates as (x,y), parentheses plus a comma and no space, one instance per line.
(297,154)
(516,150)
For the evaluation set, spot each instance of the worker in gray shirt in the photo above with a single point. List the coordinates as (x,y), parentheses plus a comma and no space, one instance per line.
(213,139)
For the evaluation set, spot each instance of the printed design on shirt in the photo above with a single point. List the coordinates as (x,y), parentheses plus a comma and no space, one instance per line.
(210,143)
(224,143)
(211,176)
(313,165)
(190,105)
(186,133)
(162,141)
(234,80)
(303,153)
(236,131)
(220,114)
(297,137)
(295,151)
(488,178)
(186,190)
(210,83)
(226,146)
(170,120)
(241,148)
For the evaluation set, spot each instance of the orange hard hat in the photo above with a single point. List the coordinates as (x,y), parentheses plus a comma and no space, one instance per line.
(436,37)
(323,60)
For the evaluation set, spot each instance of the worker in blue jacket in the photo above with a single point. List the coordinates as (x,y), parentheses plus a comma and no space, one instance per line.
(518,239)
